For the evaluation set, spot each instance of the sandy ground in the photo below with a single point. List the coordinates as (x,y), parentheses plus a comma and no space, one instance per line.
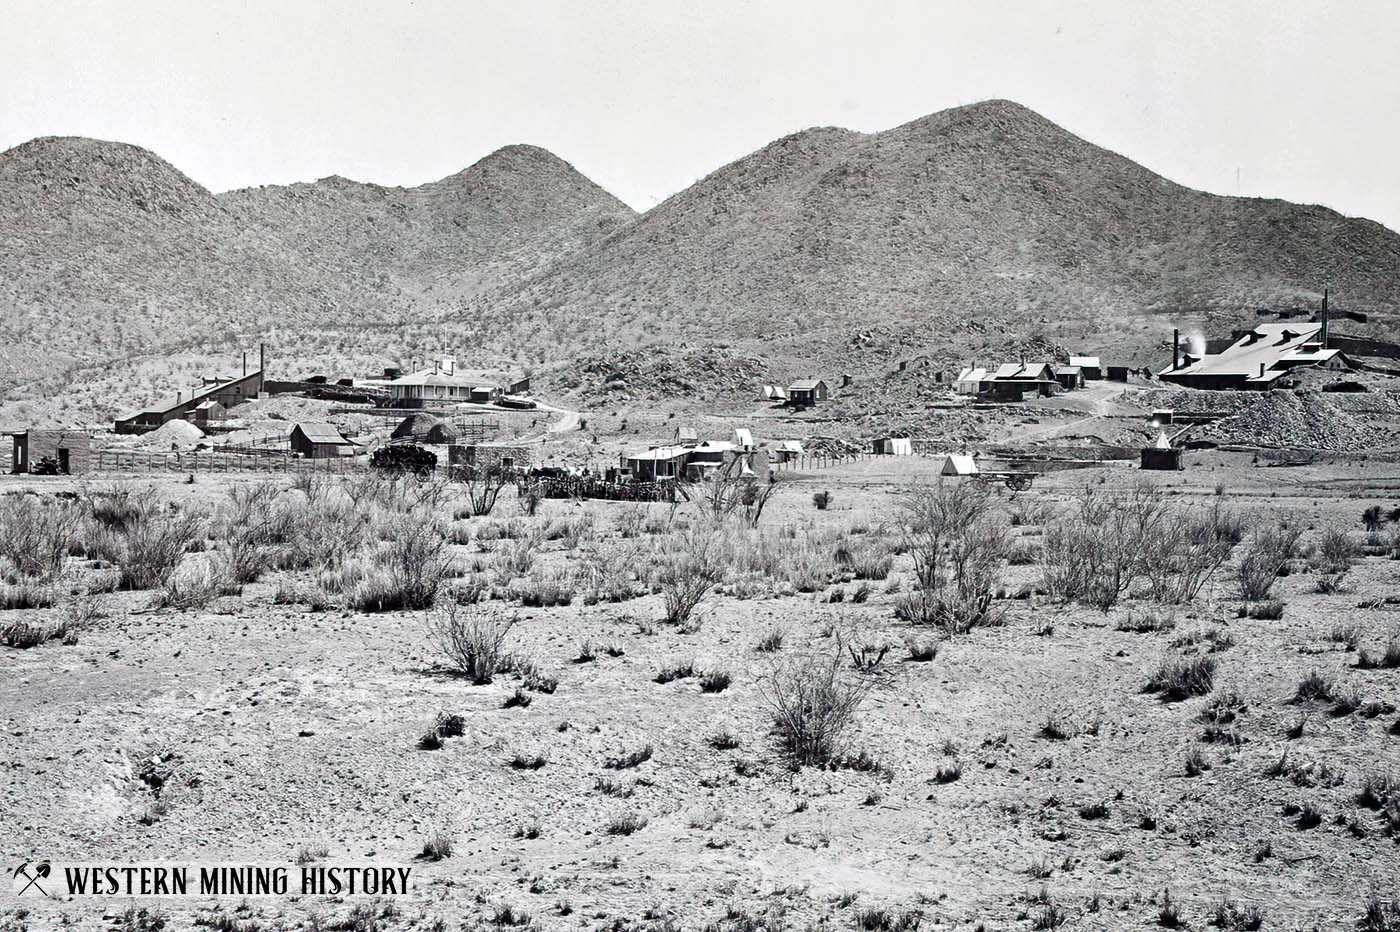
(293,729)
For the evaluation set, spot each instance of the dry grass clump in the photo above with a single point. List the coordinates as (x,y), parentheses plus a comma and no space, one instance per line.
(1335,552)
(1388,659)
(24,593)
(470,640)
(608,574)
(959,547)
(1179,678)
(546,588)
(1267,610)
(813,701)
(437,847)
(626,824)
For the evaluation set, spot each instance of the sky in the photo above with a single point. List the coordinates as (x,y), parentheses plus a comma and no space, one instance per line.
(1299,100)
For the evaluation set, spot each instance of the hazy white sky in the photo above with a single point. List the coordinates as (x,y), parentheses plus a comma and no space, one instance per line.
(1284,98)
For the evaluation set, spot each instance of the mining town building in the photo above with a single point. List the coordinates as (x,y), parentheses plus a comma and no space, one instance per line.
(226,392)
(69,450)
(317,440)
(807,391)
(1258,358)
(1012,381)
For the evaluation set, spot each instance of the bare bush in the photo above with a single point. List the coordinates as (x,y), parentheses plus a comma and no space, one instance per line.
(483,487)
(37,533)
(470,639)
(145,540)
(959,547)
(1336,551)
(734,490)
(1269,550)
(689,570)
(813,700)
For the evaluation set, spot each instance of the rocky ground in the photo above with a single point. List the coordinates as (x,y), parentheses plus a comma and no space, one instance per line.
(1022,775)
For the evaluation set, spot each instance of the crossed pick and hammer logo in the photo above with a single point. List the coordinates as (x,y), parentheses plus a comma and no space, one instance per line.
(25,879)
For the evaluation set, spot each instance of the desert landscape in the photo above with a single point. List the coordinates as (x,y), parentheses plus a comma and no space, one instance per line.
(955,526)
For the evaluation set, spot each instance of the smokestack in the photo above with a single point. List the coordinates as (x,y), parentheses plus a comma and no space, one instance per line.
(1176,348)
(262,358)
(245,362)
(1324,318)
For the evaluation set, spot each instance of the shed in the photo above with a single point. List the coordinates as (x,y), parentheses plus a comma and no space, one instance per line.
(807,391)
(491,456)
(894,446)
(687,436)
(207,411)
(69,451)
(743,439)
(318,440)
(787,450)
(959,464)
(1069,377)
(1161,458)
(1117,373)
(654,464)
(1089,365)
(970,381)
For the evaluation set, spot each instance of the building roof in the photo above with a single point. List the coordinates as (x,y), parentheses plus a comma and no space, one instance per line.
(743,436)
(1068,370)
(687,433)
(321,432)
(659,453)
(805,385)
(438,377)
(1087,362)
(1017,370)
(790,446)
(180,399)
(978,374)
(1258,350)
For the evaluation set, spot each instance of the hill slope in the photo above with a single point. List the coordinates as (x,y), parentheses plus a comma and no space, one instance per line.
(108,251)
(981,218)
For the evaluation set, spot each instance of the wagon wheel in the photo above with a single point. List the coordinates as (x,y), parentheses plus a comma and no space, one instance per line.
(1018,483)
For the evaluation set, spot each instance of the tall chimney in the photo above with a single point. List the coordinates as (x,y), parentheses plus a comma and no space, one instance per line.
(1324,318)
(262,358)
(1176,348)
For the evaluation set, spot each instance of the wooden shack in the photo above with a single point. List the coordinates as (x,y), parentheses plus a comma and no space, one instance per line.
(67,450)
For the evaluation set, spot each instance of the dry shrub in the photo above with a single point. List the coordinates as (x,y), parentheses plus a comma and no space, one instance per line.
(546,588)
(25,593)
(483,488)
(1336,551)
(145,540)
(37,534)
(254,526)
(813,700)
(959,546)
(732,491)
(1111,540)
(1270,548)
(470,640)
(690,568)
(196,581)
(608,574)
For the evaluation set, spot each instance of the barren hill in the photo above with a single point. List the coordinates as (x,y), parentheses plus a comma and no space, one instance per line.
(107,251)
(985,218)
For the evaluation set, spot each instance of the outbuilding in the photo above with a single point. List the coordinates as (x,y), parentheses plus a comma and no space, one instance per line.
(807,391)
(63,451)
(319,440)
(959,464)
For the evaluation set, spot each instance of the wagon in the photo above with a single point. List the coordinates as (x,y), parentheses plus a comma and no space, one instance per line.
(1015,481)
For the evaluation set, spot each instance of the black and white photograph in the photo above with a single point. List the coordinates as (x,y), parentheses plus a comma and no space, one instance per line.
(727,466)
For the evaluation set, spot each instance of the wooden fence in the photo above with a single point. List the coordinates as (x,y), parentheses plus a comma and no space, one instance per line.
(222,461)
